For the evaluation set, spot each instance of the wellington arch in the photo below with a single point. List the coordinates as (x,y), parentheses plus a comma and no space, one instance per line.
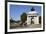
(32,17)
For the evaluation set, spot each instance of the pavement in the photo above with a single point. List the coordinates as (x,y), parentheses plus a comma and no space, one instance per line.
(28,26)
(35,26)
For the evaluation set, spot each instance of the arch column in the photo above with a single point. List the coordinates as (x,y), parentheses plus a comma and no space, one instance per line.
(28,20)
(36,20)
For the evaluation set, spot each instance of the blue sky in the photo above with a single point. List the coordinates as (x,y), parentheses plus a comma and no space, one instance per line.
(17,10)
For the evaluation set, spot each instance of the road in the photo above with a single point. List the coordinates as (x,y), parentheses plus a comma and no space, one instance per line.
(29,26)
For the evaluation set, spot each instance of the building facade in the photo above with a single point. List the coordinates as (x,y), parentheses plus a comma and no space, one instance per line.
(32,17)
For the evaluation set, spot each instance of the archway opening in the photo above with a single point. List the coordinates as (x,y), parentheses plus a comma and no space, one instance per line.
(32,21)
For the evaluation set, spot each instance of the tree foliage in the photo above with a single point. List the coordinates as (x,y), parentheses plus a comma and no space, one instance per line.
(40,19)
(23,17)
(11,20)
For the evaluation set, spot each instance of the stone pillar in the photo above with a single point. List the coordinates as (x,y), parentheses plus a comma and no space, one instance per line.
(28,20)
(36,20)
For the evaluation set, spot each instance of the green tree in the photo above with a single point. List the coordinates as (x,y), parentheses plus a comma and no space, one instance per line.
(40,19)
(11,20)
(23,17)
